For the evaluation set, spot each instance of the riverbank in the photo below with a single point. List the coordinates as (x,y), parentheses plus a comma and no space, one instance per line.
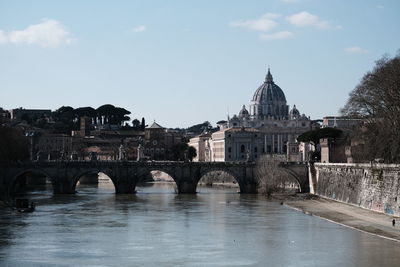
(348,215)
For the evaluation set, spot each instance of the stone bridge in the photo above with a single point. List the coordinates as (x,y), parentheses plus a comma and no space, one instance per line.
(64,175)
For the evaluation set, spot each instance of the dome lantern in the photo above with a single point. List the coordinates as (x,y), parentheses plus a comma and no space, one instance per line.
(269,78)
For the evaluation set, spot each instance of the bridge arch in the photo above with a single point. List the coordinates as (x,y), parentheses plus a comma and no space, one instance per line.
(220,171)
(241,172)
(295,178)
(19,179)
(148,173)
(154,172)
(107,172)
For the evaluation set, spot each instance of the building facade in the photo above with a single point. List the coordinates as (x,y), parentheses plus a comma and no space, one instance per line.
(202,145)
(159,141)
(48,146)
(269,128)
(341,122)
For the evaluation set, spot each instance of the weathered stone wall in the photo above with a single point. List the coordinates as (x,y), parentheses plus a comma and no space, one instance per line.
(371,186)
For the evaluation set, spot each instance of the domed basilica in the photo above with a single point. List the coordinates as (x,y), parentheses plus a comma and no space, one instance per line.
(268,106)
(269,128)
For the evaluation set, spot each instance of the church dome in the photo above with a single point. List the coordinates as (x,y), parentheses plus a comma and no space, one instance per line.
(243,112)
(269,101)
(268,91)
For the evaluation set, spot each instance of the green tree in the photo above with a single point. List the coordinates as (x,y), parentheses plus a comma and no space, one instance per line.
(191,152)
(178,151)
(314,136)
(199,128)
(136,124)
(112,114)
(64,113)
(65,120)
(85,111)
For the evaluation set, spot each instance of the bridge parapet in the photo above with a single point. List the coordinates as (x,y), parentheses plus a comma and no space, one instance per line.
(291,163)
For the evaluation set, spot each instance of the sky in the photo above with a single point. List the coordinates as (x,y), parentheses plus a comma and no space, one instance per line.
(183,62)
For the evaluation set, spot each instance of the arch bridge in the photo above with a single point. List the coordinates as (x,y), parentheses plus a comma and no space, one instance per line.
(64,175)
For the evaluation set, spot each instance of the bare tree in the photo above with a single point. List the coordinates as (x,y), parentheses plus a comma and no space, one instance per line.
(377,101)
(271,177)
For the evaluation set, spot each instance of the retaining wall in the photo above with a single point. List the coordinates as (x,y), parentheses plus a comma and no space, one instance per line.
(371,186)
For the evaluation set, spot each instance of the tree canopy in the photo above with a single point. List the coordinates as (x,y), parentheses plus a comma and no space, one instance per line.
(183,151)
(85,111)
(67,118)
(191,152)
(376,99)
(114,115)
(201,127)
(198,128)
(315,135)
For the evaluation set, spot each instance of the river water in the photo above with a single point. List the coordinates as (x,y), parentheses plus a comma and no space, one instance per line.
(156,227)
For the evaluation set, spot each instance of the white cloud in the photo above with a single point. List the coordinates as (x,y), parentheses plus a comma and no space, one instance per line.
(265,23)
(140,28)
(276,36)
(48,33)
(356,50)
(304,19)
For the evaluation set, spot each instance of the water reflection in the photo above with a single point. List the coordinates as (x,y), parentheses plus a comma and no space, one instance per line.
(156,227)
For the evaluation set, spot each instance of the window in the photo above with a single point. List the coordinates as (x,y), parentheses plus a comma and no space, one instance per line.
(255,150)
(242,148)
(229,149)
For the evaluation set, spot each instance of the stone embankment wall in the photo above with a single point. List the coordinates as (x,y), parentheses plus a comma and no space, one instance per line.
(371,186)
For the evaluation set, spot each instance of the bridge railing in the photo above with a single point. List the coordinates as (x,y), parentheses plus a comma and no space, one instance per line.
(291,163)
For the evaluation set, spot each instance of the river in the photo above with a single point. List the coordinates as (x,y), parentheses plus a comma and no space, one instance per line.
(156,227)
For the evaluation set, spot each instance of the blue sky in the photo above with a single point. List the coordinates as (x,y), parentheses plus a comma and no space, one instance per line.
(184,62)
